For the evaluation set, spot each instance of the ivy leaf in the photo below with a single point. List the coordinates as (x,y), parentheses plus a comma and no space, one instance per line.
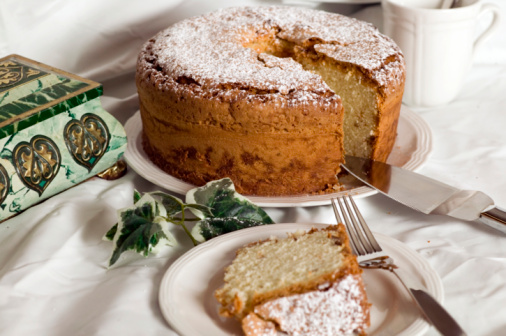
(140,228)
(112,231)
(137,196)
(233,209)
(226,204)
(203,209)
(172,205)
(213,227)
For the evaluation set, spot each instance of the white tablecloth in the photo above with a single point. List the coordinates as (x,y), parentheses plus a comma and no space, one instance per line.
(53,275)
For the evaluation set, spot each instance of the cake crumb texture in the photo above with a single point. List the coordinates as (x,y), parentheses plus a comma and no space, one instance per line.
(305,284)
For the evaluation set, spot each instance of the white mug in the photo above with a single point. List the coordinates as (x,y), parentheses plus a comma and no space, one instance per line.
(438,45)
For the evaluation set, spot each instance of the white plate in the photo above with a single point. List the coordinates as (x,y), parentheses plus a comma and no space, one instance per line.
(186,291)
(411,150)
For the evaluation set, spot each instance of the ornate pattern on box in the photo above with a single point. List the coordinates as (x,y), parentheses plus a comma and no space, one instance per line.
(37,162)
(13,73)
(54,133)
(87,139)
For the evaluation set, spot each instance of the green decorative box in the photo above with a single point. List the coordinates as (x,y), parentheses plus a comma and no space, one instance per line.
(54,133)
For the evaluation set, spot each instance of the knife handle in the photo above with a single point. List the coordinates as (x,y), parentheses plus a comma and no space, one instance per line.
(495,218)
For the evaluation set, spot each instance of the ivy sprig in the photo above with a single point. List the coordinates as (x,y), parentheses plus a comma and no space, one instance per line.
(215,209)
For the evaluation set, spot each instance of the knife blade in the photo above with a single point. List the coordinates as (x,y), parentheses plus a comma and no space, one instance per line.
(436,314)
(425,194)
(430,308)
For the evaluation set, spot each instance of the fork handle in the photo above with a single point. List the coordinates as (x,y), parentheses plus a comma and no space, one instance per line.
(495,217)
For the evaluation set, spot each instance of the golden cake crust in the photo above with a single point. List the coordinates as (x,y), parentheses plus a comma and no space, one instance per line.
(261,144)
(216,103)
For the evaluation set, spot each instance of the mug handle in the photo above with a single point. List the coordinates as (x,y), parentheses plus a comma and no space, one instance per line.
(493,25)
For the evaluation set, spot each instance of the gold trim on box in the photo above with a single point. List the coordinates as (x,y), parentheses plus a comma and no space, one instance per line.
(46,68)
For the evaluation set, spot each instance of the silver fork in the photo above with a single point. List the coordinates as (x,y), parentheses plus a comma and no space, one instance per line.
(363,243)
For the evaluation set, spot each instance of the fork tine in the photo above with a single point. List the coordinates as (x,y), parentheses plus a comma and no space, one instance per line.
(357,226)
(365,228)
(336,211)
(352,233)
(340,220)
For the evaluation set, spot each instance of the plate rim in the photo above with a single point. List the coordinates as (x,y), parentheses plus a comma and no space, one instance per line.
(433,282)
(138,161)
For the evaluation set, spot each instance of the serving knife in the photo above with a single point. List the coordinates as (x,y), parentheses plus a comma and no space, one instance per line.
(425,194)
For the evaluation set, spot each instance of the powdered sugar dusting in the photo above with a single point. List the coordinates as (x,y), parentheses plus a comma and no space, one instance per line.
(209,49)
(333,312)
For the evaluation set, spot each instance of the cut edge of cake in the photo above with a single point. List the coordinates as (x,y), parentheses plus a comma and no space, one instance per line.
(335,291)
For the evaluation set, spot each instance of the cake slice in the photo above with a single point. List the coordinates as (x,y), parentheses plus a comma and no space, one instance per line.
(308,283)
